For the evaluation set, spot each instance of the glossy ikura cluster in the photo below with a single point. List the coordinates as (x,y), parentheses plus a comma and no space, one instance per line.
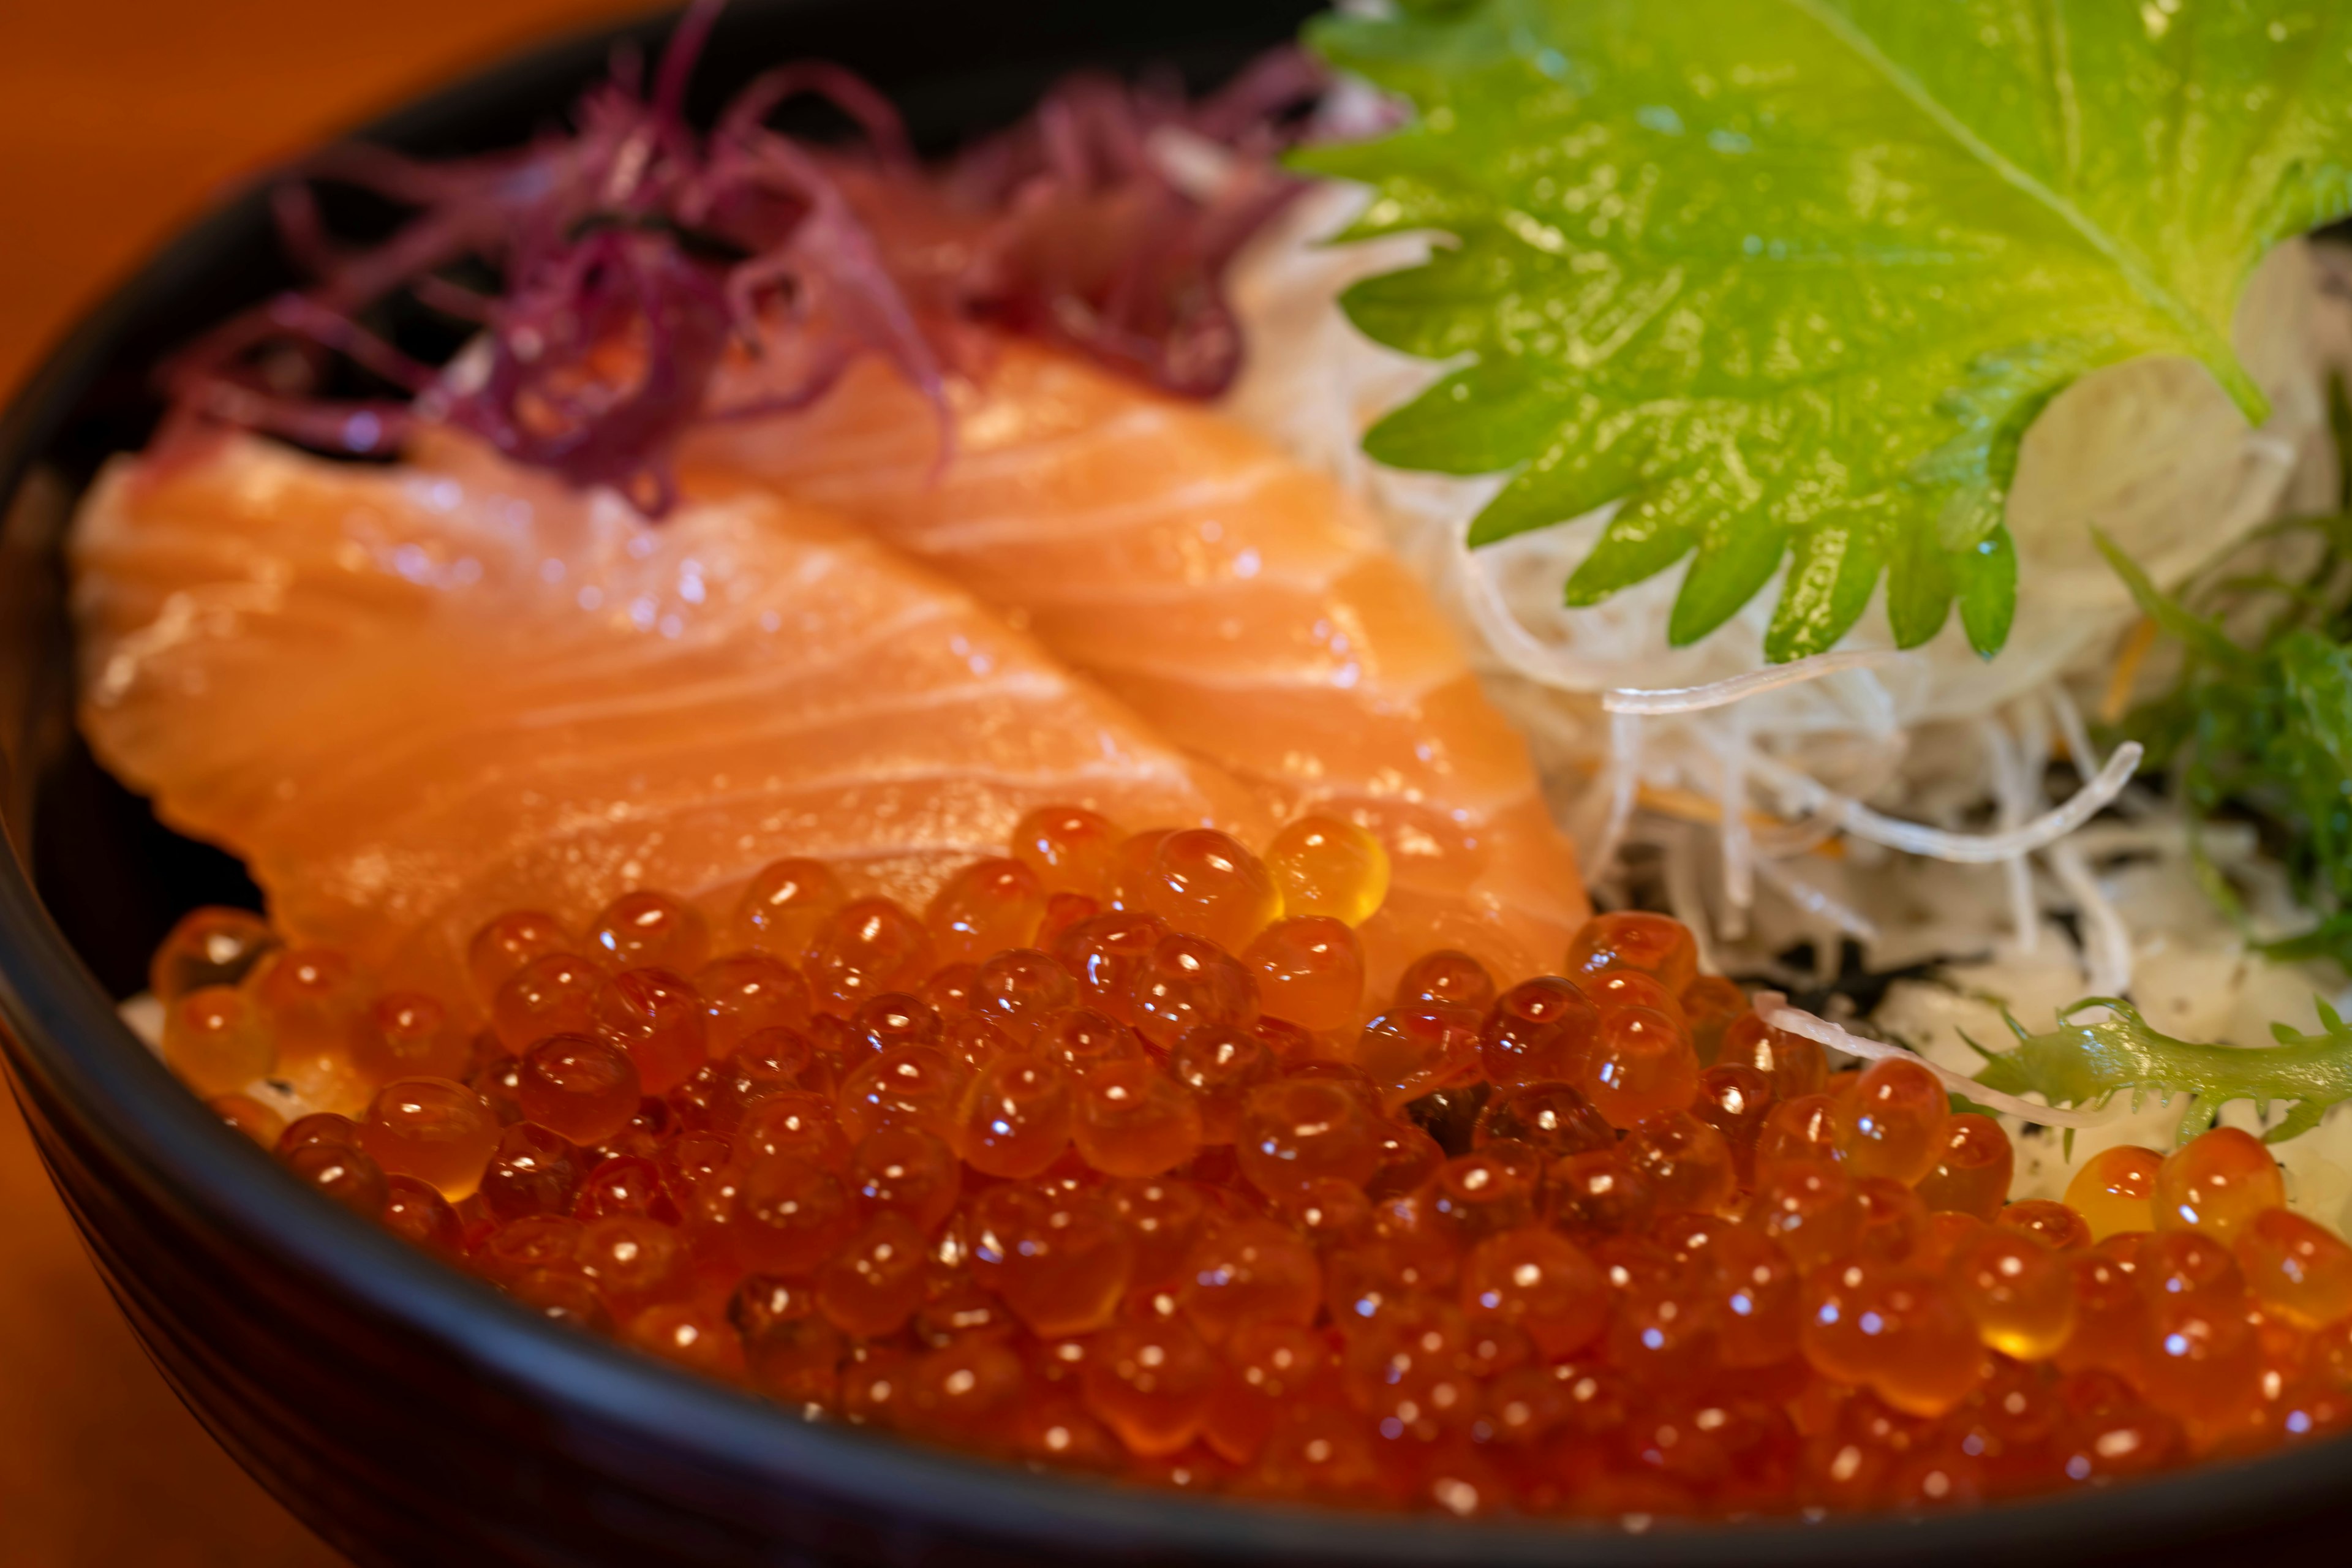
(1100,1163)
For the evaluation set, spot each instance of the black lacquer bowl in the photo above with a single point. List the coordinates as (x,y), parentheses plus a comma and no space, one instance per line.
(407,1411)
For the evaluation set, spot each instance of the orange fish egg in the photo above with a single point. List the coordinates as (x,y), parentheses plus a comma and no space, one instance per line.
(646,930)
(2217,1182)
(546,995)
(748,992)
(1710,1004)
(1553,1119)
(1734,1101)
(1131,1118)
(2299,1269)
(1408,1052)
(209,946)
(862,949)
(1061,1259)
(1641,1065)
(407,1034)
(1188,982)
(1294,1132)
(581,1087)
(307,998)
(431,1129)
(659,1019)
(785,904)
(2020,1292)
(1538,1032)
(1132,1201)
(1019,989)
(1894,1124)
(250,1116)
(1656,945)
(1220,1066)
(988,906)
(902,1169)
(1796,1065)
(1972,1171)
(215,1040)
(1068,849)
(1207,884)
(509,942)
(1016,1115)
(1310,971)
(1446,978)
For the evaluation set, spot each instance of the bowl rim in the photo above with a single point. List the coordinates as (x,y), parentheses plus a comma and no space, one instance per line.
(64,1040)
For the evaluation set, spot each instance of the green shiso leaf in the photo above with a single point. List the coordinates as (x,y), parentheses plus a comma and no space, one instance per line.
(1791,277)
(2090,1064)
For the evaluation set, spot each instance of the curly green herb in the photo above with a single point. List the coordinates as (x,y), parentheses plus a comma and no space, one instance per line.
(2090,1064)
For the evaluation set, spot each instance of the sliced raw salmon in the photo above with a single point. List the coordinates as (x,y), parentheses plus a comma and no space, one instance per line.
(411,697)
(1237,600)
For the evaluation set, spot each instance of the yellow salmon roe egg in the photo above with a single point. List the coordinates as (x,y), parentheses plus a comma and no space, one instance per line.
(2115,1190)
(1327,866)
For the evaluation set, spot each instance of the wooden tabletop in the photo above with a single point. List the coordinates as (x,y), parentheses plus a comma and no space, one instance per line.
(118,119)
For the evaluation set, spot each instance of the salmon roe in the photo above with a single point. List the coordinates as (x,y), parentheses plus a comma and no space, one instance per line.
(1113,1155)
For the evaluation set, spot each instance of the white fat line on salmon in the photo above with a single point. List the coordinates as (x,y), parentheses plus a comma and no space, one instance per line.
(696,798)
(1030,686)
(1046,524)
(1037,600)
(1777,1013)
(548,761)
(801,727)
(1386,697)
(773,682)
(848,469)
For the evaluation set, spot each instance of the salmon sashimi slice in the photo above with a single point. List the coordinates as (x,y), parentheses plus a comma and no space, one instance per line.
(413,698)
(1236,599)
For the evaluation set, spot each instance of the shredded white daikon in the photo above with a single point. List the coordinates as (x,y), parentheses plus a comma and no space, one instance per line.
(1732,688)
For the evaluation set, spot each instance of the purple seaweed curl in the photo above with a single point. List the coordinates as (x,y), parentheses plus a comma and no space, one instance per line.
(650,277)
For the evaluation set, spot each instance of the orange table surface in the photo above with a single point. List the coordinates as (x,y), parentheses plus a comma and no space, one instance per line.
(119,119)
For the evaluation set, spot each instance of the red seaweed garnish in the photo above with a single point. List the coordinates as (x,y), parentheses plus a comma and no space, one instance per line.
(634,258)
